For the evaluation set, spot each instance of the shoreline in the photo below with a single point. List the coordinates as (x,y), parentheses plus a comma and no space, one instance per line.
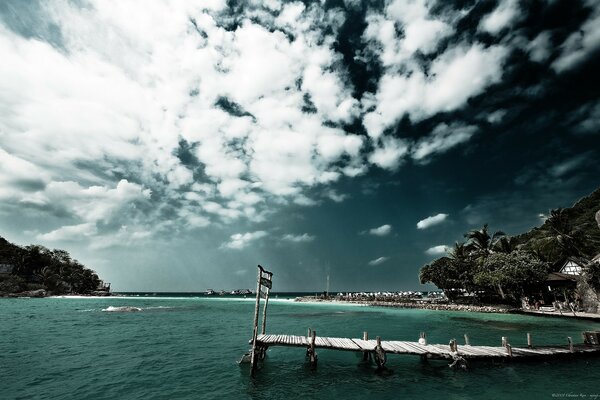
(497,309)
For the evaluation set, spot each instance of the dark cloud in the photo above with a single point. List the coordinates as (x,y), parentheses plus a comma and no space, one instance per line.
(30,19)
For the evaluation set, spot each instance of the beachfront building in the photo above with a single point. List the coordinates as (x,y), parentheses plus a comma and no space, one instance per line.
(573,266)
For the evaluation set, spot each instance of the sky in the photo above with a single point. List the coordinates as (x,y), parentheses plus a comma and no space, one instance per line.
(175,145)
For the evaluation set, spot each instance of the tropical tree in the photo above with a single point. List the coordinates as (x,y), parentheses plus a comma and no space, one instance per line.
(512,275)
(453,271)
(480,242)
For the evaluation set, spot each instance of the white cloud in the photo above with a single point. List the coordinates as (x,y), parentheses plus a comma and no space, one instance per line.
(70,232)
(303,238)
(443,138)
(431,221)
(239,241)
(120,97)
(437,250)
(580,44)
(496,116)
(569,165)
(382,230)
(457,75)
(378,261)
(388,153)
(540,48)
(505,15)
(335,196)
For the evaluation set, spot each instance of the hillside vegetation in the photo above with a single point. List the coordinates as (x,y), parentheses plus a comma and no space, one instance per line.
(497,267)
(36,267)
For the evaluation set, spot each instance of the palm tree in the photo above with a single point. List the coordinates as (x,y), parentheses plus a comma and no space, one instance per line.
(480,243)
(560,231)
(505,244)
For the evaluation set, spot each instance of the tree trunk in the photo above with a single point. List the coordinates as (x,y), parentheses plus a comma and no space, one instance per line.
(501,292)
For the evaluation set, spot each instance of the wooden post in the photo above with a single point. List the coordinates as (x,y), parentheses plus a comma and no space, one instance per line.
(264,321)
(570,344)
(309,333)
(453,346)
(529,343)
(467,340)
(366,354)
(509,349)
(313,354)
(253,355)
(380,356)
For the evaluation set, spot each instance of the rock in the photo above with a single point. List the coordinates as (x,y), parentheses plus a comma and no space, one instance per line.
(598,218)
(36,293)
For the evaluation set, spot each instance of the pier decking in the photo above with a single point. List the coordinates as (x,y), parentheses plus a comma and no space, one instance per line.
(378,349)
(427,350)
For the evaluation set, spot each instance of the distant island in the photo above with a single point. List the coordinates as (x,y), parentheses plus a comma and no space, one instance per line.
(554,267)
(36,271)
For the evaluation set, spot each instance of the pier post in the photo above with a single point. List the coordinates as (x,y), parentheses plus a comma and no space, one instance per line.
(312,354)
(380,356)
(453,346)
(570,344)
(529,343)
(264,320)
(467,343)
(366,354)
(253,354)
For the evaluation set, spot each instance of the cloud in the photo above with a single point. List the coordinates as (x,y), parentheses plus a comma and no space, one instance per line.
(507,13)
(443,138)
(383,230)
(431,221)
(569,165)
(540,48)
(124,100)
(580,44)
(303,238)
(241,240)
(378,261)
(437,250)
(388,153)
(335,196)
(71,232)
(458,74)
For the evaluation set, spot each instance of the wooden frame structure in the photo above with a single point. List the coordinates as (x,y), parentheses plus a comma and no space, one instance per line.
(265,279)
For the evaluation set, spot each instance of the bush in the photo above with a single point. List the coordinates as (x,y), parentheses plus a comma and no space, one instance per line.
(12,284)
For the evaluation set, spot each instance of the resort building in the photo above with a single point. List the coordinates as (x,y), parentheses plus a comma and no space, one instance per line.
(573,266)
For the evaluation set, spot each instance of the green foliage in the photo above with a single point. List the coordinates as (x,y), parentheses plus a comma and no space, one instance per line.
(512,274)
(42,268)
(568,232)
(12,284)
(593,275)
(510,266)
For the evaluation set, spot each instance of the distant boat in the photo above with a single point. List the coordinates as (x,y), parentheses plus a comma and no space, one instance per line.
(209,292)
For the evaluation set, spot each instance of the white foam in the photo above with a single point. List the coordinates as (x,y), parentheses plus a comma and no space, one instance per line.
(122,309)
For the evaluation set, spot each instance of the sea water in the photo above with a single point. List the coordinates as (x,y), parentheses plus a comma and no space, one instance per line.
(188,347)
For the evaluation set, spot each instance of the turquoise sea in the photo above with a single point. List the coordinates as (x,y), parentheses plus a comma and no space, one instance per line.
(187,348)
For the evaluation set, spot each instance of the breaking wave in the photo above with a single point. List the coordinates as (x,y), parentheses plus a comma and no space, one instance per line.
(121,309)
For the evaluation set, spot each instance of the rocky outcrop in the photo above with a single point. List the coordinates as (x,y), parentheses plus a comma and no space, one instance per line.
(598,218)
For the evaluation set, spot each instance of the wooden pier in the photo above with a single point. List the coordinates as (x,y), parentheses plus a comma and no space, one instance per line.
(377,349)
(439,351)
